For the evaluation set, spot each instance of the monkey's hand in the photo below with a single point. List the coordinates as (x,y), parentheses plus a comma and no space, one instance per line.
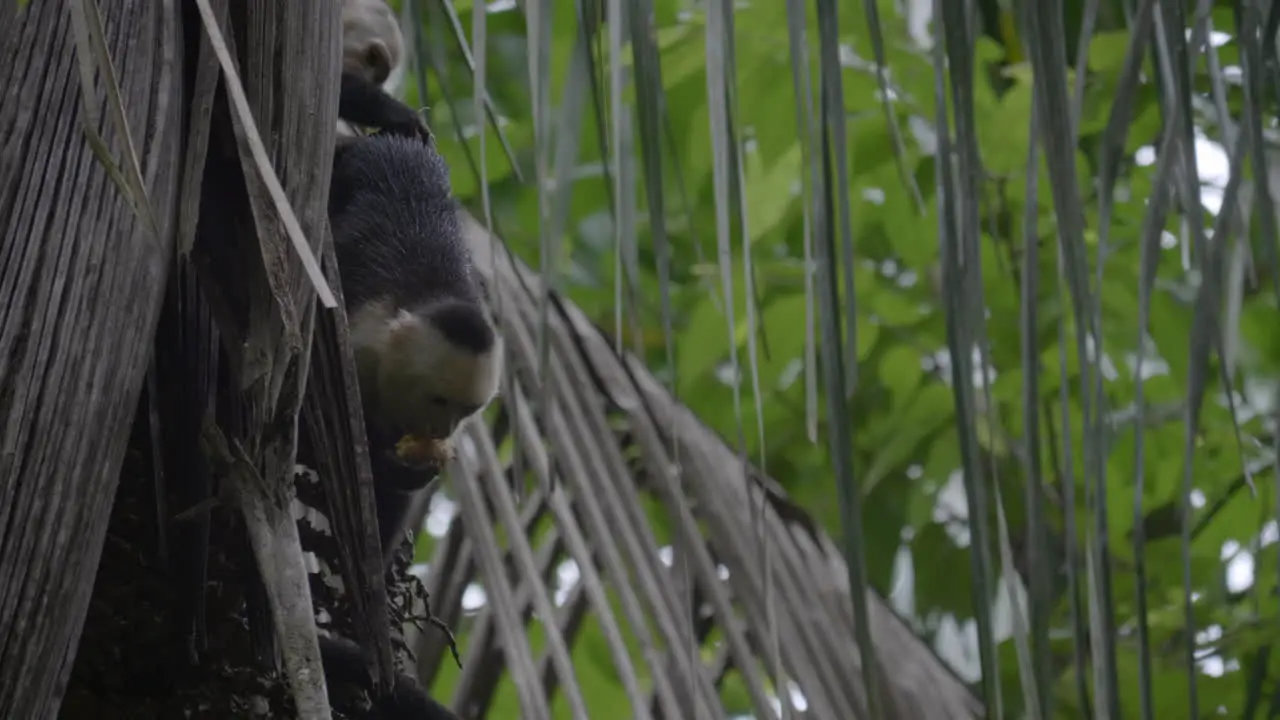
(416,451)
(408,700)
(401,464)
(408,124)
(364,103)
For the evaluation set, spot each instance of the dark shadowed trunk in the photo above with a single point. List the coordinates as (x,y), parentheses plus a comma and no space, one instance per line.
(83,274)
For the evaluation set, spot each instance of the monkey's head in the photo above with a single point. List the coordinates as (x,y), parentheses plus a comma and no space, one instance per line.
(372,44)
(423,371)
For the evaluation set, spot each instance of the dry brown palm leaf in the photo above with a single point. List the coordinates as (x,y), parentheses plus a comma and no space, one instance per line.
(609,438)
(82,278)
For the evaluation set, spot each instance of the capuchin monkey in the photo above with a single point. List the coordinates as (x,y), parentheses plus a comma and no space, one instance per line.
(426,350)
(372,48)
(344,664)
(428,355)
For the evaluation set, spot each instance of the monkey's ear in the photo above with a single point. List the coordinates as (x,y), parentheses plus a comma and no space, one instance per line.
(378,59)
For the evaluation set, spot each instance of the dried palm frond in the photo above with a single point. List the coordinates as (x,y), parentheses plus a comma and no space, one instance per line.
(609,408)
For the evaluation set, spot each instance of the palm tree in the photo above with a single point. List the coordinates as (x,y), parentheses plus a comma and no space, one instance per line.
(710,194)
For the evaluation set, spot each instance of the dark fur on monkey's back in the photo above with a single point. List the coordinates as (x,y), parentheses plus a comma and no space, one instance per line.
(397,235)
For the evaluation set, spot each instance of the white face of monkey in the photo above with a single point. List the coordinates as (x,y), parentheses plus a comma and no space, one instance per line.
(414,378)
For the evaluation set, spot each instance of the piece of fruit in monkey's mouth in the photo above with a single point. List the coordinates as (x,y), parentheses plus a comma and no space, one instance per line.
(418,452)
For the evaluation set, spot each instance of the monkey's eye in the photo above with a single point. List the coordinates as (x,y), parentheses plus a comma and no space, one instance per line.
(437,400)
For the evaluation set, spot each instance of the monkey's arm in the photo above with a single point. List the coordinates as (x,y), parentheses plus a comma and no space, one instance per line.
(343,664)
(365,103)
(395,489)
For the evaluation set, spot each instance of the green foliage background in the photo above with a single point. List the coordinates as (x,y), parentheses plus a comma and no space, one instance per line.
(905,437)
